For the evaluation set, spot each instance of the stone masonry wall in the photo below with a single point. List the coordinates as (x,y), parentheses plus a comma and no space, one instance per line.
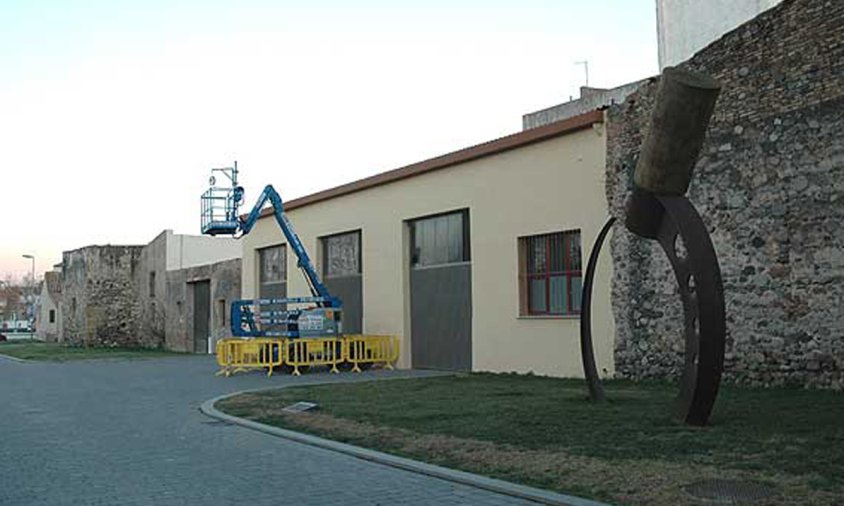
(151,296)
(770,187)
(98,304)
(224,280)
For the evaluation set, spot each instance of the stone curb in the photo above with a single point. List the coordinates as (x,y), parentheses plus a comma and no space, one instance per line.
(462,477)
(14,359)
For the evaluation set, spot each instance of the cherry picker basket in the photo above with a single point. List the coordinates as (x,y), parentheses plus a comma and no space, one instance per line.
(219,210)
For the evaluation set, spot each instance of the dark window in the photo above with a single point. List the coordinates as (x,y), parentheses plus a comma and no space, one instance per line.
(52,316)
(221,312)
(152,284)
(273,264)
(551,273)
(442,239)
(341,255)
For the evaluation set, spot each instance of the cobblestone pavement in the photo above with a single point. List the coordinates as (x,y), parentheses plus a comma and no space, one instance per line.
(129,432)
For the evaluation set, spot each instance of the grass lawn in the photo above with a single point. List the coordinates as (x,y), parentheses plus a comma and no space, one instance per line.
(544,432)
(53,352)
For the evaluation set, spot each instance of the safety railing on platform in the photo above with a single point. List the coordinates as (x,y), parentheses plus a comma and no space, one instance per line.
(356,352)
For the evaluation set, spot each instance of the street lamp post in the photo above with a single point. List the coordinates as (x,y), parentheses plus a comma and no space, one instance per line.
(32,293)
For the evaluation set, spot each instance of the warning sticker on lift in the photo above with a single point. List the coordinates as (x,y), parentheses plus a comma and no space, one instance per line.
(311,322)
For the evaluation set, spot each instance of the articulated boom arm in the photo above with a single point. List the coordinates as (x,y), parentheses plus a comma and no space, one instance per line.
(269,194)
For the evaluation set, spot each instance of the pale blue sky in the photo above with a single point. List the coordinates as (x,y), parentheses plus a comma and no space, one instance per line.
(112,112)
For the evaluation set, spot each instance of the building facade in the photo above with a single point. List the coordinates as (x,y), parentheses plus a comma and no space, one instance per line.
(474,259)
(174,270)
(198,301)
(48,323)
(124,295)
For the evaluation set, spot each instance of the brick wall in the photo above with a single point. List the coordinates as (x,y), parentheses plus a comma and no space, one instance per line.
(770,187)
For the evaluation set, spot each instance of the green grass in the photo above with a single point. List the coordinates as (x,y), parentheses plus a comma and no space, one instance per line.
(53,352)
(769,434)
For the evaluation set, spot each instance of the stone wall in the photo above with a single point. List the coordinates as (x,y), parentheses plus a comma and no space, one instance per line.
(769,186)
(151,296)
(125,296)
(224,280)
(99,305)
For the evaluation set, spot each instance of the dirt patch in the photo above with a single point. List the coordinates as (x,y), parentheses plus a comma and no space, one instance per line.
(621,481)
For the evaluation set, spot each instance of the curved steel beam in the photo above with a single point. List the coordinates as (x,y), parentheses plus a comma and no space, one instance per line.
(698,275)
(587,353)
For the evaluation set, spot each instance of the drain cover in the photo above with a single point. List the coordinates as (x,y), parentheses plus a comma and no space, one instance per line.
(730,491)
(300,407)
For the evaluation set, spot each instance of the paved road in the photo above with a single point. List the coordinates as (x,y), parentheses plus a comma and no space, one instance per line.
(129,432)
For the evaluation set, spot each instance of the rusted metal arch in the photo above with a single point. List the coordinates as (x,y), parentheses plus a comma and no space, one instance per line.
(698,275)
(587,350)
(702,292)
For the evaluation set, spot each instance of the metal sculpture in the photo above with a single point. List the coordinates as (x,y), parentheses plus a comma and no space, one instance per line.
(587,353)
(658,209)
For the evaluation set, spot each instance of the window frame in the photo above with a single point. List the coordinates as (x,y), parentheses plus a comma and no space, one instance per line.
(568,273)
(221,312)
(259,252)
(465,237)
(323,241)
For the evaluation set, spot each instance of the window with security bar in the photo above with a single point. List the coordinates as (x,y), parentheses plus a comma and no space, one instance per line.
(341,255)
(551,274)
(272,263)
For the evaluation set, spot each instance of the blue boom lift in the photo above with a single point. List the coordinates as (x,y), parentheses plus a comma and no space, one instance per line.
(316,316)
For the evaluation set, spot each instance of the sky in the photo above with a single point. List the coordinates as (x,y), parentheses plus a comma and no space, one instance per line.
(112,112)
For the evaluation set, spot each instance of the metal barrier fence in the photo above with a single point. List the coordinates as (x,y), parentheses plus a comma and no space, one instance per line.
(370,350)
(313,352)
(296,355)
(240,355)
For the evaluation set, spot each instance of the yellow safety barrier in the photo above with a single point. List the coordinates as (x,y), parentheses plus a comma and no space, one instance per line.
(371,350)
(313,352)
(240,355)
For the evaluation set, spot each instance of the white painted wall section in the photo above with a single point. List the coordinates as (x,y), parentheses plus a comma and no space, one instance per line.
(185,251)
(684,27)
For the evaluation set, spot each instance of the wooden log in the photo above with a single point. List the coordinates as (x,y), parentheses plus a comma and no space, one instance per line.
(684,103)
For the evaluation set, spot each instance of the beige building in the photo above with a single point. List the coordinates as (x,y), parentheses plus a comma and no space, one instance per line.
(48,324)
(473,258)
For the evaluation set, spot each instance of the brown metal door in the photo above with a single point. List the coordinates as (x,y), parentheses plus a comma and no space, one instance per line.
(201,315)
